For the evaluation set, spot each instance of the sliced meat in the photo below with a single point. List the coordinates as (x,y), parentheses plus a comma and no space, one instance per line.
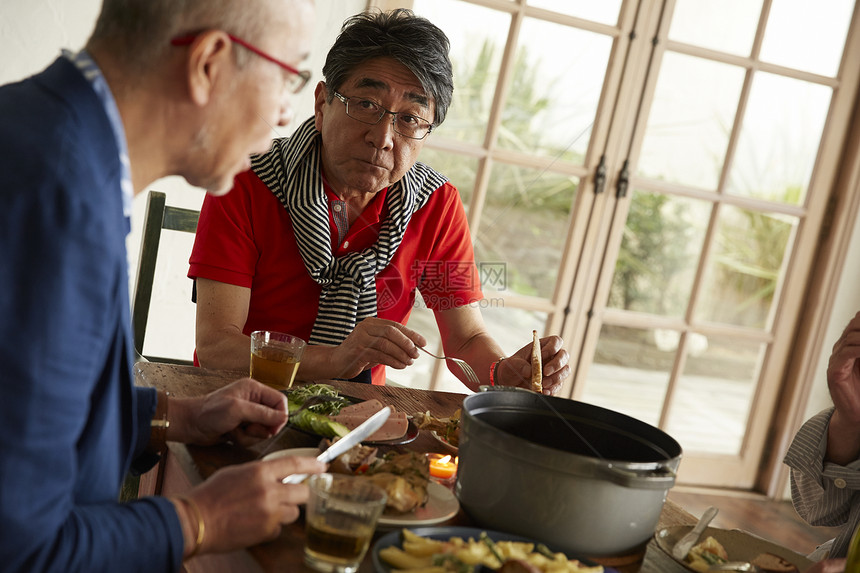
(366,408)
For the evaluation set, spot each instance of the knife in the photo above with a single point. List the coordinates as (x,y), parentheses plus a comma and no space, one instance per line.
(682,548)
(364,430)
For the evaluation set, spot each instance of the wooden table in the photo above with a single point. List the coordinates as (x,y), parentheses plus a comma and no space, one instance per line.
(185,466)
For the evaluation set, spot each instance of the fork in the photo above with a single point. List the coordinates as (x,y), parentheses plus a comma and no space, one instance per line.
(467,370)
(272,442)
(735,566)
(314,400)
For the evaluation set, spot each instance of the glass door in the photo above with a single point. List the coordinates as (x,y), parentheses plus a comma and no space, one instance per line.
(688,320)
(520,141)
(649,179)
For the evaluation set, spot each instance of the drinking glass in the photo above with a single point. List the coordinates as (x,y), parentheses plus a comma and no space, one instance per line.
(340,518)
(275,358)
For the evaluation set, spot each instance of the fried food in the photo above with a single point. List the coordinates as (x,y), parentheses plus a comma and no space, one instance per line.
(403,496)
(447,428)
(710,552)
(404,477)
(537,366)
(706,553)
(455,555)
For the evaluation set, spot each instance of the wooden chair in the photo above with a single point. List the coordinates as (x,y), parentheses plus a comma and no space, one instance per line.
(159,217)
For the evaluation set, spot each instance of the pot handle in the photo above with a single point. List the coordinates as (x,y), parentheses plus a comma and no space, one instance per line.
(660,478)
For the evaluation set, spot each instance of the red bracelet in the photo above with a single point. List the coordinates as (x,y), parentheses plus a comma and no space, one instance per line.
(493,367)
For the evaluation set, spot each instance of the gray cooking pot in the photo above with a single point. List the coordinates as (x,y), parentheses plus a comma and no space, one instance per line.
(593,488)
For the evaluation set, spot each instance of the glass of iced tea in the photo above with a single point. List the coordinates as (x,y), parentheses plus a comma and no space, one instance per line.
(340,518)
(275,358)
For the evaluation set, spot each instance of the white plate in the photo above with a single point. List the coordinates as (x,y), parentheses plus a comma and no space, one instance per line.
(301,452)
(441,505)
(444,442)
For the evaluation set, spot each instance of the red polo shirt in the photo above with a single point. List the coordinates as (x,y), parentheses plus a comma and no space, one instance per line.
(245,238)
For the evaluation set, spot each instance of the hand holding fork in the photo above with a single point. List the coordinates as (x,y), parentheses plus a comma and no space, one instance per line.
(269,445)
(464,366)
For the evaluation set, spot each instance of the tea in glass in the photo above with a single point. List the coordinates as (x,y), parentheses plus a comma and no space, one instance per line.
(275,358)
(340,519)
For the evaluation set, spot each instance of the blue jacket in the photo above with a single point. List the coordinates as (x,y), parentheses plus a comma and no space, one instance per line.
(71,420)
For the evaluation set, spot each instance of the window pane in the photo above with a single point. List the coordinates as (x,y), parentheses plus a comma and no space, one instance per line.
(604,11)
(722,25)
(557,80)
(630,374)
(745,267)
(511,327)
(775,157)
(690,121)
(476,53)
(807,35)
(171,322)
(461,170)
(524,226)
(712,398)
(659,254)
(419,374)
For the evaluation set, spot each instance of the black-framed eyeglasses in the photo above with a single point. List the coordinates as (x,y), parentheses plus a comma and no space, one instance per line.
(370,112)
(298,79)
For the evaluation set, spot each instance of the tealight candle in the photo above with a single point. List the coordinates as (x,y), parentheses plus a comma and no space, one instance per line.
(442,467)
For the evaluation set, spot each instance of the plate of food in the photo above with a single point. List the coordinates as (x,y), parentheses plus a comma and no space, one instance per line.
(454,547)
(413,499)
(338,414)
(448,445)
(408,435)
(722,545)
(440,506)
(445,430)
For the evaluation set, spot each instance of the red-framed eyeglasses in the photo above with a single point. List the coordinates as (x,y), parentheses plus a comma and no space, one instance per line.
(299,78)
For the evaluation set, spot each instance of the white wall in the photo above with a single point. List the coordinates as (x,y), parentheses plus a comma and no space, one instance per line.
(32,33)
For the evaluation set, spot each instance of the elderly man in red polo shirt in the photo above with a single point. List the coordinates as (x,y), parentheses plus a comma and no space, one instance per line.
(331,232)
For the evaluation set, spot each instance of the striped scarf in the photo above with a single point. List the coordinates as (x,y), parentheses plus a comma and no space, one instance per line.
(291,170)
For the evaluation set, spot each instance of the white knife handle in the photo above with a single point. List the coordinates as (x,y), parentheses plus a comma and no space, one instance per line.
(707,517)
(364,430)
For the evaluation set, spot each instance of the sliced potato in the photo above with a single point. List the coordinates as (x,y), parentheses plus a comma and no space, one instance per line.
(400,559)
(457,552)
(422,546)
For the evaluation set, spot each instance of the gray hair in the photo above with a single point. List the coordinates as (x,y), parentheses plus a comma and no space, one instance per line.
(140,30)
(412,40)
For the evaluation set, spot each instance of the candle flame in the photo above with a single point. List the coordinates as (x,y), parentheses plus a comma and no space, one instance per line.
(444,460)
